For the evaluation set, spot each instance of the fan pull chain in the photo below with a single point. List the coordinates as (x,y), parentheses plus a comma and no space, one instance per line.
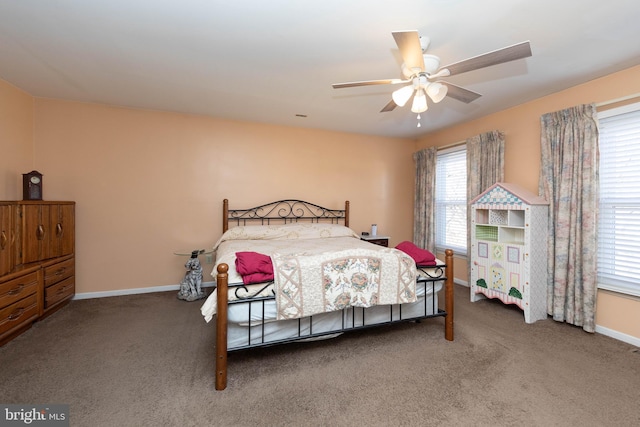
(419,120)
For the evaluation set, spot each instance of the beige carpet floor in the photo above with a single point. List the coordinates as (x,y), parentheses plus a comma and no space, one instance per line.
(147,360)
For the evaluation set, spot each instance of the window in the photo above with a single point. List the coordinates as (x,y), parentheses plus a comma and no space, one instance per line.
(619,214)
(451,200)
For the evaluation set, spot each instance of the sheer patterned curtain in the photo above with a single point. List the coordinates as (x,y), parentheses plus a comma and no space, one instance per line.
(485,167)
(424,234)
(569,182)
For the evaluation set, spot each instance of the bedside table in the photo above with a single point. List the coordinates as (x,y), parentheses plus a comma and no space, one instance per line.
(191,285)
(376,240)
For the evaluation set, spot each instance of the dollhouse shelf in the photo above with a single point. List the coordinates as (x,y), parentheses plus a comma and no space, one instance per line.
(508,248)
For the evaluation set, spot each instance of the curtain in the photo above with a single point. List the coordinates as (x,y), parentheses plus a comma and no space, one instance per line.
(424,234)
(485,162)
(485,167)
(569,182)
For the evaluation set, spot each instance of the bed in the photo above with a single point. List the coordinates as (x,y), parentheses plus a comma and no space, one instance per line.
(291,270)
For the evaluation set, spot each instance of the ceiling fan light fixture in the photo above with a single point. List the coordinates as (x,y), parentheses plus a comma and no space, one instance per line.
(437,91)
(421,81)
(431,63)
(419,102)
(402,95)
(422,70)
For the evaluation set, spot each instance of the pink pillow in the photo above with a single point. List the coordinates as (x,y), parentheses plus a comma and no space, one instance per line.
(420,256)
(254,267)
(249,279)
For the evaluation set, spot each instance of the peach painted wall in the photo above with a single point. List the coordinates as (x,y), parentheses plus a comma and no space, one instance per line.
(148,183)
(16,139)
(521,126)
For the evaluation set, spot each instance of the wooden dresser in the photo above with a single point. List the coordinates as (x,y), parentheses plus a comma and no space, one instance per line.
(37,262)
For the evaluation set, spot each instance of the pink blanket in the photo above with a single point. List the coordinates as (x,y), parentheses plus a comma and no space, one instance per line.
(420,256)
(254,267)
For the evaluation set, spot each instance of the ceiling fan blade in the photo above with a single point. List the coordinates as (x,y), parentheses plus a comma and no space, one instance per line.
(510,53)
(460,93)
(389,107)
(409,44)
(369,83)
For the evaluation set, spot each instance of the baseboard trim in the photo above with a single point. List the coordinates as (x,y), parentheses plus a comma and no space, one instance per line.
(167,288)
(134,291)
(629,339)
(461,282)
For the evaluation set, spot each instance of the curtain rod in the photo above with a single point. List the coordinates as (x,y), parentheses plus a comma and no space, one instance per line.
(615,101)
(454,144)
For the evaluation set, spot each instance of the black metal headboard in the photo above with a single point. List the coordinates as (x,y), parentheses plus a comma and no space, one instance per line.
(283,211)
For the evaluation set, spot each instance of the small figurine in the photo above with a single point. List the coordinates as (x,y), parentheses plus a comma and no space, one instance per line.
(191,286)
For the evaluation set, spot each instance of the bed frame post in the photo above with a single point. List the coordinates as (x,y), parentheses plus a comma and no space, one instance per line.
(346,213)
(448,296)
(225,215)
(222,279)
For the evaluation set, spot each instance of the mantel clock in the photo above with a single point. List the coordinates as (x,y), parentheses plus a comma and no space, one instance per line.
(32,186)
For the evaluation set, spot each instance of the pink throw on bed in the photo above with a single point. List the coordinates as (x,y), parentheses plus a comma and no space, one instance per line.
(254,267)
(420,256)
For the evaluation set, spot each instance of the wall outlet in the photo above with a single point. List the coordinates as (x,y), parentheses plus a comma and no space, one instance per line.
(209,259)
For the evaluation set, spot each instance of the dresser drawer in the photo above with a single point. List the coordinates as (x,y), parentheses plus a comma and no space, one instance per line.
(58,292)
(57,272)
(16,289)
(18,313)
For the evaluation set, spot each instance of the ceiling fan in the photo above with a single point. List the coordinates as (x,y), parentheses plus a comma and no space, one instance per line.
(422,72)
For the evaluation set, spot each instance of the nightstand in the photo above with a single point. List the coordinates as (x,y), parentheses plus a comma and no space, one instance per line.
(377,240)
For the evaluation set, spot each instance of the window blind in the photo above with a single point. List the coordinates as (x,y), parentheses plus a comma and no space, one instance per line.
(451,200)
(619,214)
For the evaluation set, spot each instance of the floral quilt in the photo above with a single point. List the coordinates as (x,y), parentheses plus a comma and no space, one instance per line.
(307,284)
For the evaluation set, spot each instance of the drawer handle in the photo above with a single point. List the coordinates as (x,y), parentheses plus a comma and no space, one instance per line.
(3,240)
(58,229)
(16,314)
(16,290)
(40,232)
(60,271)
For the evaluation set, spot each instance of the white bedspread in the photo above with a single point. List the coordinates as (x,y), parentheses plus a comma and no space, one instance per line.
(305,239)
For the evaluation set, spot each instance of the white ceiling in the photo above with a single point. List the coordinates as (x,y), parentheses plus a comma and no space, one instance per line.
(268,61)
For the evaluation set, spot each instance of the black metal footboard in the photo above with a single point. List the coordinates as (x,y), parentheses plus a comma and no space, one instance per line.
(261,332)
